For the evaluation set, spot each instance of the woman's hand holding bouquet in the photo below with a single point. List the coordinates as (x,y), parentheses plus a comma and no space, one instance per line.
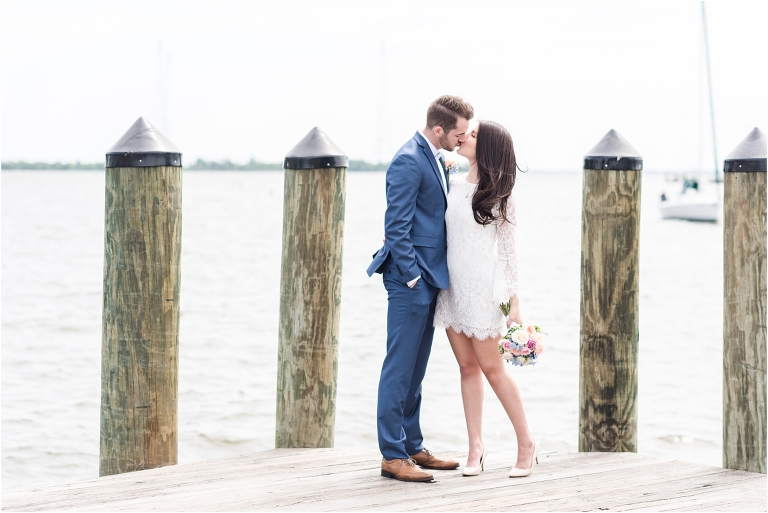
(522,344)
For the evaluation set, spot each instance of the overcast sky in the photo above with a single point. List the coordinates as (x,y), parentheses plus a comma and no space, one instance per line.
(239,80)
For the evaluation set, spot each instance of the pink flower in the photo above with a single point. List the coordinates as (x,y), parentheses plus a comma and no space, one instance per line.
(525,352)
(531,344)
(516,352)
(539,348)
(531,329)
(507,346)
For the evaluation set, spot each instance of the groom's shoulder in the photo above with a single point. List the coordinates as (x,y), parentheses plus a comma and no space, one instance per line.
(406,157)
(411,148)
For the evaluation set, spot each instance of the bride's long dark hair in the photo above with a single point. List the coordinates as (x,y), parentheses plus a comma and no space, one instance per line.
(496,170)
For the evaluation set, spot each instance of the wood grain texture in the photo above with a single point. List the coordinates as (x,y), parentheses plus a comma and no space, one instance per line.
(140,337)
(349,480)
(609,332)
(744,322)
(310,300)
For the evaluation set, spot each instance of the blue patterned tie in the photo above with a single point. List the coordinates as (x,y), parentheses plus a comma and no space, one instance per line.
(445,171)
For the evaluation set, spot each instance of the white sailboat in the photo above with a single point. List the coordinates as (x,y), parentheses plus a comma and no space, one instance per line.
(692,203)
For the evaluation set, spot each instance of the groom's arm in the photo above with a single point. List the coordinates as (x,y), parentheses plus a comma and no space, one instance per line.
(403,182)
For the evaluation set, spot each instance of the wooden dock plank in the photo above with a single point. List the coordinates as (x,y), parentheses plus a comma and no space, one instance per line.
(334,479)
(700,489)
(386,498)
(571,489)
(453,488)
(568,489)
(651,492)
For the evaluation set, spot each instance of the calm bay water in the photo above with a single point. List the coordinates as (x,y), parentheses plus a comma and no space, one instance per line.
(52,261)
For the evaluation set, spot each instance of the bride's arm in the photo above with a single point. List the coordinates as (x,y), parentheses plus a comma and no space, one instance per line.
(514,311)
(507,249)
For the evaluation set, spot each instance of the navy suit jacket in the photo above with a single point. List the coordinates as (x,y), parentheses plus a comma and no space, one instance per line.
(414,223)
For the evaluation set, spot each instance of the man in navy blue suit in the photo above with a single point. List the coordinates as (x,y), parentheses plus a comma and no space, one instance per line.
(414,268)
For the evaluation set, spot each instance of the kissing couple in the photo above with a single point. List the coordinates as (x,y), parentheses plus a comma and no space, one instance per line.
(448,261)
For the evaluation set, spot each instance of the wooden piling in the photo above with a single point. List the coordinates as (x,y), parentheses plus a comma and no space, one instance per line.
(310,292)
(140,337)
(610,230)
(744,306)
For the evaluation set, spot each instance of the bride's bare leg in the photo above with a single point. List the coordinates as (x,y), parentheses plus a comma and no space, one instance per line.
(492,365)
(471,393)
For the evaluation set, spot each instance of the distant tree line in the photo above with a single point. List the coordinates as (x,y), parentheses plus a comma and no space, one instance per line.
(199,164)
(20,164)
(361,165)
(227,165)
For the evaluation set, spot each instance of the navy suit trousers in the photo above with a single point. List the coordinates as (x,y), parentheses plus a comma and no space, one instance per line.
(409,341)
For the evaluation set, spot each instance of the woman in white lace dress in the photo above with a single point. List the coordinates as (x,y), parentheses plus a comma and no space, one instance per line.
(482,266)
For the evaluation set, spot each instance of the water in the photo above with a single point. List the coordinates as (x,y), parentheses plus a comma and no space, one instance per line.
(52,261)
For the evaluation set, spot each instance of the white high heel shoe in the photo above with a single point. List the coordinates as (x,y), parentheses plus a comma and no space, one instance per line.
(474,471)
(523,472)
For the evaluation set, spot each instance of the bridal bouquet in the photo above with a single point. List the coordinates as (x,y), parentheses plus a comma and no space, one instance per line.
(522,345)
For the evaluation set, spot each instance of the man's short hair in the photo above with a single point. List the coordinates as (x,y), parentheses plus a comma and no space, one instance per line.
(446,111)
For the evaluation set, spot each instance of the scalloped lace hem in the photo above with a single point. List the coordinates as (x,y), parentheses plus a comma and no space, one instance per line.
(469,331)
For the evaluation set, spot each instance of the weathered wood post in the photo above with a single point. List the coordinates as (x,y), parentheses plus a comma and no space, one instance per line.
(610,232)
(744,305)
(140,337)
(310,292)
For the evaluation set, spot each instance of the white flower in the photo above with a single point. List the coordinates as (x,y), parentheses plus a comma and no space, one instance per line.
(507,356)
(520,336)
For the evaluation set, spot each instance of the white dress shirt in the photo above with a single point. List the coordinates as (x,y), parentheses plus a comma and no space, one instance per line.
(436,153)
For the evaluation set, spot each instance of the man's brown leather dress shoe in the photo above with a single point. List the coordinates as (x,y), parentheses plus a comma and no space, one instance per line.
(425,459)
(404,469)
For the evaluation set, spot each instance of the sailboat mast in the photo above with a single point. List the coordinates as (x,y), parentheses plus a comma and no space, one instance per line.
(709,84)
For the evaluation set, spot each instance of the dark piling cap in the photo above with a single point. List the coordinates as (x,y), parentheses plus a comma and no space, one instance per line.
(613,152)
(749,155)
(315,151)
(143,146)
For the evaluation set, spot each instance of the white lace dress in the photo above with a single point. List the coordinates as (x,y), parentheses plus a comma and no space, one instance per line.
(482,267)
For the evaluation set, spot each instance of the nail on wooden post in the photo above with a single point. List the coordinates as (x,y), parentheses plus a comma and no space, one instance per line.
(744,305)
(310,292)
(140,337)
(610,231)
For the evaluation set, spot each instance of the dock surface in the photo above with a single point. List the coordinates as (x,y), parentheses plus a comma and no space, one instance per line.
(336,480)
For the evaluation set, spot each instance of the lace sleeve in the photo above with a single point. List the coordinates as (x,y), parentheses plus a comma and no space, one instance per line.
(506,276)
